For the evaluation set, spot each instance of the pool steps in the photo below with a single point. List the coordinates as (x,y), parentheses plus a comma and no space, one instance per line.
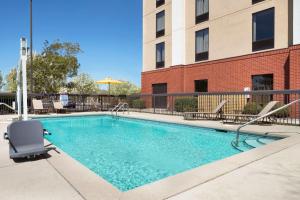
(249,144)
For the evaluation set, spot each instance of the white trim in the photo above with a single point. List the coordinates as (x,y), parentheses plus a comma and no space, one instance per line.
(296,21)
(178,32)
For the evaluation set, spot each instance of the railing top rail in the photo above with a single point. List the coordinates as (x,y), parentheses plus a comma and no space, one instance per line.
(261,117)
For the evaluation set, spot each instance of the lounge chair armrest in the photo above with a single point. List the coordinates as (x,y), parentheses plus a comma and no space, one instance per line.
(45,132)
(5,136)
(49,148)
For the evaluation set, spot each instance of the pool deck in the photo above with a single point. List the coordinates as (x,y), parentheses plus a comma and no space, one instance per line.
(268,172)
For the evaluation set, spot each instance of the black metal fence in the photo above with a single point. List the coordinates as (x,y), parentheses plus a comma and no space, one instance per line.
(76,102)
(9,99)
(237,103)
(247,103)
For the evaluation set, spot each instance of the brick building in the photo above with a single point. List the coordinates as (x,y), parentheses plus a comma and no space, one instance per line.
(217,46)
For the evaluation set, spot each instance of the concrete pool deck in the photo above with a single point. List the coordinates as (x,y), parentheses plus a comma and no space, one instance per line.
(268,172)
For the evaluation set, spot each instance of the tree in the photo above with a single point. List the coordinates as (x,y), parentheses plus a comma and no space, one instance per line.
(51,69)
(11,80)
(1,81)
(125,88)
(84,84)
(54,66)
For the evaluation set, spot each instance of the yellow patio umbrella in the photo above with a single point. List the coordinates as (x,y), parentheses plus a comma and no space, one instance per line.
(109,81)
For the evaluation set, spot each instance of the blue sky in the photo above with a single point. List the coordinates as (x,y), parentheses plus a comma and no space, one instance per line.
(109,32)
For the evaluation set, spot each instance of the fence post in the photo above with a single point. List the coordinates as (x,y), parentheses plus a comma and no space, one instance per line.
(172,104)
(83,104)
(154,106)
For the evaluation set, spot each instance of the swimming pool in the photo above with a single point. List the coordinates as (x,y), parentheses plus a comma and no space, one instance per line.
(130,153)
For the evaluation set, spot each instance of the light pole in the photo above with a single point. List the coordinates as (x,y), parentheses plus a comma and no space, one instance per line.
(31,46)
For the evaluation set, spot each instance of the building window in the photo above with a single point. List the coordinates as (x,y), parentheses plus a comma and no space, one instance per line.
(262,82)
(256,1)
(159,101)
(263,30)
(160,55)
(202,11)
(202,45)
(160,3)
(160,24)
(201,85)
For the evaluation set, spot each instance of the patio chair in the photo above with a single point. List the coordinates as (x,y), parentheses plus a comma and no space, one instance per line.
(58,107)
(215,114)
(38,107)
(95,106)
(26,139)
(234,118)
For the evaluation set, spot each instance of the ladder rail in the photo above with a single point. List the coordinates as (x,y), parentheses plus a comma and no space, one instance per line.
(122,106)
(261,117)
(116,107)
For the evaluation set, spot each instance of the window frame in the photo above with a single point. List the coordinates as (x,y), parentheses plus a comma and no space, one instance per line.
(201,18)
(262,75)
(266,43)
(159,101)
(160,33)
(200,81)
(263,99)
(202,56)
(160,64)
(256,1)
(159,3)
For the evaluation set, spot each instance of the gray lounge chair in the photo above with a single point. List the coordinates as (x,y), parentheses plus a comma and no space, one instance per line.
(244,117)
(26,139)
(215,114)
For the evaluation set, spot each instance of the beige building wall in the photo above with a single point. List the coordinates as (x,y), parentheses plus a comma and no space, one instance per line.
(230,28)
(149,33)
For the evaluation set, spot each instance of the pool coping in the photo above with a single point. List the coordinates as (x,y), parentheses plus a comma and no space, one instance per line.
(92,186)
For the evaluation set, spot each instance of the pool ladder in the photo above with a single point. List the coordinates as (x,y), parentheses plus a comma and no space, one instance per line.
(120,107)
(235,143)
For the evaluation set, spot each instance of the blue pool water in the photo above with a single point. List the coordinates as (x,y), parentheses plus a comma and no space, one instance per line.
(130,153)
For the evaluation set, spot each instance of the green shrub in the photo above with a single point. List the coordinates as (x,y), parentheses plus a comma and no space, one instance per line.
(186,104)
(138,103)
(282,113)
(252,108)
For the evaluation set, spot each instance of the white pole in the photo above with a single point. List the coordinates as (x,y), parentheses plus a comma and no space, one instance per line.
(24,78)
(19,93)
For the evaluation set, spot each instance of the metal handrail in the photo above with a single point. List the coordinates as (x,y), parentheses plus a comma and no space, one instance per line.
(122,106)
(8,106)
(116,107)
(261,117)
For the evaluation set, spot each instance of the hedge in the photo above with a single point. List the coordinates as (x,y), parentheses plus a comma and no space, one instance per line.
(252,108)
(138,103)
(186,104)
(282,113)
